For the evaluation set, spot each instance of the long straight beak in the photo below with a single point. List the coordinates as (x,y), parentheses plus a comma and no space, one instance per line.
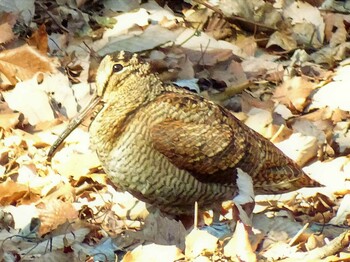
(76,121)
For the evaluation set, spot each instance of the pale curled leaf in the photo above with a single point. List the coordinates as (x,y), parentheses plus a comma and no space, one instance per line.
(195,41)
(143,40)
(198,242)
(22,221)
(334,93)
(303,13)
(153,252)
(36,109)
(36,100)
(239,246)
(301,148)
(338,169)
(342,213)
(284,41)
(259,120)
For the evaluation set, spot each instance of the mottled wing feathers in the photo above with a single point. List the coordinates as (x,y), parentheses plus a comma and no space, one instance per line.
(212,145)
(198,138)
(202,149)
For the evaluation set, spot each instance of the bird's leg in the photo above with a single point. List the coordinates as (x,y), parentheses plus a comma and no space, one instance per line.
(244,203)
(216,213)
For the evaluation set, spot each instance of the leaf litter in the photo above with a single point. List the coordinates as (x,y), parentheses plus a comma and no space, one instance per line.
(280,66)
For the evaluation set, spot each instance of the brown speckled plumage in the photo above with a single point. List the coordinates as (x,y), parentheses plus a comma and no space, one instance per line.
(171,147)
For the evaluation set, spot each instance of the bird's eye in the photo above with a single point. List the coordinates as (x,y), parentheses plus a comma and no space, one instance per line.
(117,68)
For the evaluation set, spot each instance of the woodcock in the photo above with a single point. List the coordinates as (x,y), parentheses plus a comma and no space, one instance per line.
(170,147)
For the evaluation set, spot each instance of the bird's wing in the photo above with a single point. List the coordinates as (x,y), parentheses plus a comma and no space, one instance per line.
(211,143)
(199,137)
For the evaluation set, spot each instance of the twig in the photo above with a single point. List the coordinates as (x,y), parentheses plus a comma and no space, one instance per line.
(196,33)
(195,222)
(234,17)
(279,131)
(229,92)
(333,247)
(52,17)
(292,241)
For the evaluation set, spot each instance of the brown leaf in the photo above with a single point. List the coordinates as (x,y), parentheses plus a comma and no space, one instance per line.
(23,63)
(314,241)
(249,102)
(294,93)
(248,45)
(164,231)
(218,27)
(7,20)
(8,121)
(210,57)
(39,39)
(232,74)
(55,213)
(333,22)
(11,192)
(284,41)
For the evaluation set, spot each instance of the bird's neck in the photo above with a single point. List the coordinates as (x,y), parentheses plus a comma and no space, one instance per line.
(118,110)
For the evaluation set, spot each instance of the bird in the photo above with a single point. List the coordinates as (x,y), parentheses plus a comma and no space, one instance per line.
(171,147)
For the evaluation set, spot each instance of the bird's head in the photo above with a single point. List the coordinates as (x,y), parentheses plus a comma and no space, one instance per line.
(117,70)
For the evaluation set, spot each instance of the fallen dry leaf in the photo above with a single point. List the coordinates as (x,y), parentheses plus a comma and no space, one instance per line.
(294,93)
(8,121)
(199,243)
(39,39)
(260,120)
(22,63)
(12,192)
(302,15)
(284,41)
(7,21)
(54,213)
(332,94)
(239,246)
(153,252)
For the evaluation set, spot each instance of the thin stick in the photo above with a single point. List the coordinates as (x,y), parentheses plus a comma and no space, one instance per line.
(292,241)
(279,131)
(195,222)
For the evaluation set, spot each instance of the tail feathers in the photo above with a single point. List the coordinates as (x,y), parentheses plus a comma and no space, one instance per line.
(288,185)
(305,181)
